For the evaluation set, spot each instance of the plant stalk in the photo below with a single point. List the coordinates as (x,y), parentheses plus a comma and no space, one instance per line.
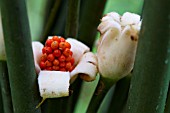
(102,88)
(22,76)
(92,11)
(120,95)
(72,21)
(5,88)
(167,107)
(150,79)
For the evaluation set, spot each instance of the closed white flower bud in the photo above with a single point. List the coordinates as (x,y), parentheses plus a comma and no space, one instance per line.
(117,44)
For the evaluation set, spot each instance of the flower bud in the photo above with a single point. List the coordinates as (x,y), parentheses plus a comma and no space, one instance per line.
(117,44)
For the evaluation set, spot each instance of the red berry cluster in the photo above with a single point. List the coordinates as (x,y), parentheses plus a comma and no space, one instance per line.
(57,55)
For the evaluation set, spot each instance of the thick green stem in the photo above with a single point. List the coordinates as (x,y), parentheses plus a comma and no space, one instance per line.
(167,107)
(51,20)
(1,102)
(150,80)
(91,14)
(102,88)
(22,76)
(72,21)
(120,94)
(5,88)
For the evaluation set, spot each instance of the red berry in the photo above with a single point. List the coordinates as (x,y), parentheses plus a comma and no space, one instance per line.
(50,57)
(47,50)
(62,58)
(72,61)
(71,53)
(57,53)
(62,46)
(66,52)
(62,39)
(55,62)
(68,45)
(54,45)
(68,58)
(56,68)
(71,69)
(62,64)
(42,65)
(48,42)
(68,65)
(49,68)
(56,38)
(62,69)
(44,57)
(48,63)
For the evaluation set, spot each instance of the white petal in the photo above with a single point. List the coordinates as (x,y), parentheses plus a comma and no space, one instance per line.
(86,68)
(53,84)
(78,49)
(130,18)
(37,52)
(112,16)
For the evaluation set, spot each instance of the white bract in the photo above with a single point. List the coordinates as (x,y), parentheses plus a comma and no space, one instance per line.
(117,44)
(54,84)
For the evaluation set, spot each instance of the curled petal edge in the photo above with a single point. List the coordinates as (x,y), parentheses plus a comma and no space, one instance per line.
(86,68)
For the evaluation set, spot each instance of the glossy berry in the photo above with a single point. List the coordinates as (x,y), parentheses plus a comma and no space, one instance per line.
(56,62)
(56,68)
(57,53)
(72,61)
(68,45)
(68,58)
(56,38)
(68,65)
(54,45)
(62,39)
(47,50)
(49,68)
(62,69)
(62,46)
(66,52)
(62,64)
(62,58)
(48,63)
(44,57)
(42,65)
(50,57)
(48,42)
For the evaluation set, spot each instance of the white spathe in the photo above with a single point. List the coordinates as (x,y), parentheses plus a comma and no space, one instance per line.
(117,44)
(53,84)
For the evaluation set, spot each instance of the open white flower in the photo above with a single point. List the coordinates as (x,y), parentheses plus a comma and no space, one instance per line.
(53,84)
(117,44)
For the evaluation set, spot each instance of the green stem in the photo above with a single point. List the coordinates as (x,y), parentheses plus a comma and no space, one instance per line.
(167,107)
(22,76)
(5,88)
(101,90)
(120,94)
(91,14)
(150,80)
(1,101)
(72,21)
(51,20)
